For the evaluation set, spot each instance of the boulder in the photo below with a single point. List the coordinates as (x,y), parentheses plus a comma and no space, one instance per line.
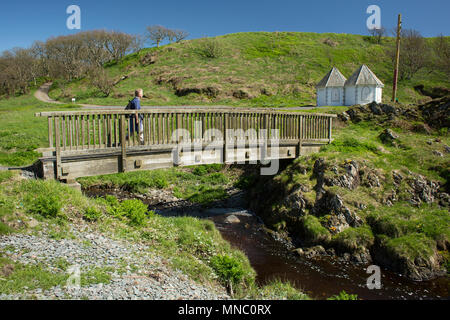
(232,219)
(388,136)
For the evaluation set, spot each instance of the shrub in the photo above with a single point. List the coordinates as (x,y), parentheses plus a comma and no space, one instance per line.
(344,296)
(46,205)
(229,269)
(92,214)
(211,48)
(133,210)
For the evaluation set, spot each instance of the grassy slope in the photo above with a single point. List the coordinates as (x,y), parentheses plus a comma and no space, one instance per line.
(403,229)
(287,64)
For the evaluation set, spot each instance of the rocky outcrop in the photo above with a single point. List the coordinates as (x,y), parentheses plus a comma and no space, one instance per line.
(437,112)
(434,114)
(327,197)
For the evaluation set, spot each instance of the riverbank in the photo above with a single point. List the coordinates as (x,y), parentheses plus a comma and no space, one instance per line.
(123,250)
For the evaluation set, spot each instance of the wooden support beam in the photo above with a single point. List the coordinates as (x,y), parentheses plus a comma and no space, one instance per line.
(123,144)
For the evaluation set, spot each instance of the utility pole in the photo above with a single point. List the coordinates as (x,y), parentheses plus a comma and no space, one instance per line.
(397,58)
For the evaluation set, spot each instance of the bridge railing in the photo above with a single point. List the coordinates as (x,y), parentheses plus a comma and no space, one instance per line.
(95,130)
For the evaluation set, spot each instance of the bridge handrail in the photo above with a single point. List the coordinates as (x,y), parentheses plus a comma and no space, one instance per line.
(179,111)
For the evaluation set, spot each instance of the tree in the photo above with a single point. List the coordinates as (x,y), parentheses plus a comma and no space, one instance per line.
(118,44)
(100,79)
(377,34)
(414,53)
(157,34)
(180,35)
(441,49)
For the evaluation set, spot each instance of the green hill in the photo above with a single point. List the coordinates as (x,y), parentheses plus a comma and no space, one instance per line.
(252,69)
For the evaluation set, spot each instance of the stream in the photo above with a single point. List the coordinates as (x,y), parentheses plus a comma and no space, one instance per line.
(320,277)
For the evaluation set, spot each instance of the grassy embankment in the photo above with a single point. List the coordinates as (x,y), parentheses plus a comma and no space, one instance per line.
(403,230)
(191,245)
(250,69)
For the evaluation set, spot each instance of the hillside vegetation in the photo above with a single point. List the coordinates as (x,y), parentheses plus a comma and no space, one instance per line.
(251,69)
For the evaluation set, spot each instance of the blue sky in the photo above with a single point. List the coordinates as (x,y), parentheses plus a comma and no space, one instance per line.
(22,22)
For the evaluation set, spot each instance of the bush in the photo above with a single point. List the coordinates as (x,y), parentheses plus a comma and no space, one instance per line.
(229,269)
(344,296)
(92,214)
(48,206)
(133,210)
(211,48)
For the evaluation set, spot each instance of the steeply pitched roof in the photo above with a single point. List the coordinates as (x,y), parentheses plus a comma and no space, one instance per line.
(334,78)
(364,76)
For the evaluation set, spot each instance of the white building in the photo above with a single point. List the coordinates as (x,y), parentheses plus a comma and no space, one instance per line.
(362,87)
(330,90)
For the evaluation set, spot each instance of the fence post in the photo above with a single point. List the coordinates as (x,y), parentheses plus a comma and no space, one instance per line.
(225,136)
(330,124)
(58,148)
(300,136)
(123,143)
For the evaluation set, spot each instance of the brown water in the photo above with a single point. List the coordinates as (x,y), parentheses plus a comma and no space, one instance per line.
(324,277)
(320,278)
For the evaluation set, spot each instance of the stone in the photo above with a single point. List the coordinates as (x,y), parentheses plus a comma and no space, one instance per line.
(388,136)
(232,219)
(438,153)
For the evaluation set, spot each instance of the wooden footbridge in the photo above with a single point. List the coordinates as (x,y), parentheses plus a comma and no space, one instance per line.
(87,143)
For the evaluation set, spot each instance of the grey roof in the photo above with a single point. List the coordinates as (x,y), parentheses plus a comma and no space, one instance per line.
(334,78)
(364,76)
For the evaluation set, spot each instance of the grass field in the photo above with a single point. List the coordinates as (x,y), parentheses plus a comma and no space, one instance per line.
(21,133)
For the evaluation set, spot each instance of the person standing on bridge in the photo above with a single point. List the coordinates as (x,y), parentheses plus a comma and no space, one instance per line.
(136,122)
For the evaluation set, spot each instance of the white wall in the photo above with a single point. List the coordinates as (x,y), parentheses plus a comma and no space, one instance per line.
(335,96)
(330,96)
(379,95)
(362,95)
(321,97)
(350,96)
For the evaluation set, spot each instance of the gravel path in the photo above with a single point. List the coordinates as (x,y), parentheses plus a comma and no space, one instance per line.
(135,273)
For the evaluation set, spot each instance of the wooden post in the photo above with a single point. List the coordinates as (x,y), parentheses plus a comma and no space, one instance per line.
(123,142)
(58,148)
(330,129)
(397,59)
(225,136)
(300,137)
(50,132)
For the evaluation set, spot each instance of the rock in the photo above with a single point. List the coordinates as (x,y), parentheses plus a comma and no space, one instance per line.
(344,116)
(297,202)
(437,112)
(398,178)
(148,59)
(32,223)
(314,252)
(232,219)
(437,153)
(7,270)
(375,108)
(388,136)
